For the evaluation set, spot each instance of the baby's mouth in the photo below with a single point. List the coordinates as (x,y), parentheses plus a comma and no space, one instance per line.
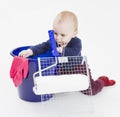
(60,44)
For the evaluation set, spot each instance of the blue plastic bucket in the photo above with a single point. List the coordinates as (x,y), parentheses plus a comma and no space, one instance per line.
(25,90)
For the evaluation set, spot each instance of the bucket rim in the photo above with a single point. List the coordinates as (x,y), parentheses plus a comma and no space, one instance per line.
(12,54)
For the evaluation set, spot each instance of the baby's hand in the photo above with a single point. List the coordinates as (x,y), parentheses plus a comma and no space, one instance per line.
(60,49)
(25,53)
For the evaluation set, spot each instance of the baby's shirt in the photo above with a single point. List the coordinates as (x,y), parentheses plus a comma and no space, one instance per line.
(73,48)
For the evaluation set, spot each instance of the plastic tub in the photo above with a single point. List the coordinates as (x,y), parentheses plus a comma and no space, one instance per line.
(25,90)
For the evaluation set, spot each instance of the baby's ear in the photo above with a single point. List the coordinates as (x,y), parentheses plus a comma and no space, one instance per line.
(75,33)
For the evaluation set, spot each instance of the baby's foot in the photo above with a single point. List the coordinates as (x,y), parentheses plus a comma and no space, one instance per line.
(107,81)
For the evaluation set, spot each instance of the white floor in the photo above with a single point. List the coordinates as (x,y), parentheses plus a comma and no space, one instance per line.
(26,22)
(62,105)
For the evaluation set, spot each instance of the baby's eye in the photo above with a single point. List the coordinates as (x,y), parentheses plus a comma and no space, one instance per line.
(63,35)
(55,33)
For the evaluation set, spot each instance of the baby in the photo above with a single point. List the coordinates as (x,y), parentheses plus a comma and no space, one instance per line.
(65,28)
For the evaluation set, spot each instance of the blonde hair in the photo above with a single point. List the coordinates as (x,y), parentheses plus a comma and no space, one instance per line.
(67,15)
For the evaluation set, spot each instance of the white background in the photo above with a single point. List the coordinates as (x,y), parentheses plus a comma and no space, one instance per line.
(26,22)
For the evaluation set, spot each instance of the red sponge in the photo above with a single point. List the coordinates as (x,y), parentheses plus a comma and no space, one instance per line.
(106,81)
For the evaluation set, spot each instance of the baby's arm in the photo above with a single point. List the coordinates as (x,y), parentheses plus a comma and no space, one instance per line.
(73,48)
(26,53)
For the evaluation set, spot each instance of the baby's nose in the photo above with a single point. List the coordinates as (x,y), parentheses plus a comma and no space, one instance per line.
(58,38)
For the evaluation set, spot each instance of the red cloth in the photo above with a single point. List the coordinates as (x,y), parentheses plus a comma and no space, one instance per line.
(19,70)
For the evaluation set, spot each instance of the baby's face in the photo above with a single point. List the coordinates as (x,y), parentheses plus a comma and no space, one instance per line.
(64,32)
